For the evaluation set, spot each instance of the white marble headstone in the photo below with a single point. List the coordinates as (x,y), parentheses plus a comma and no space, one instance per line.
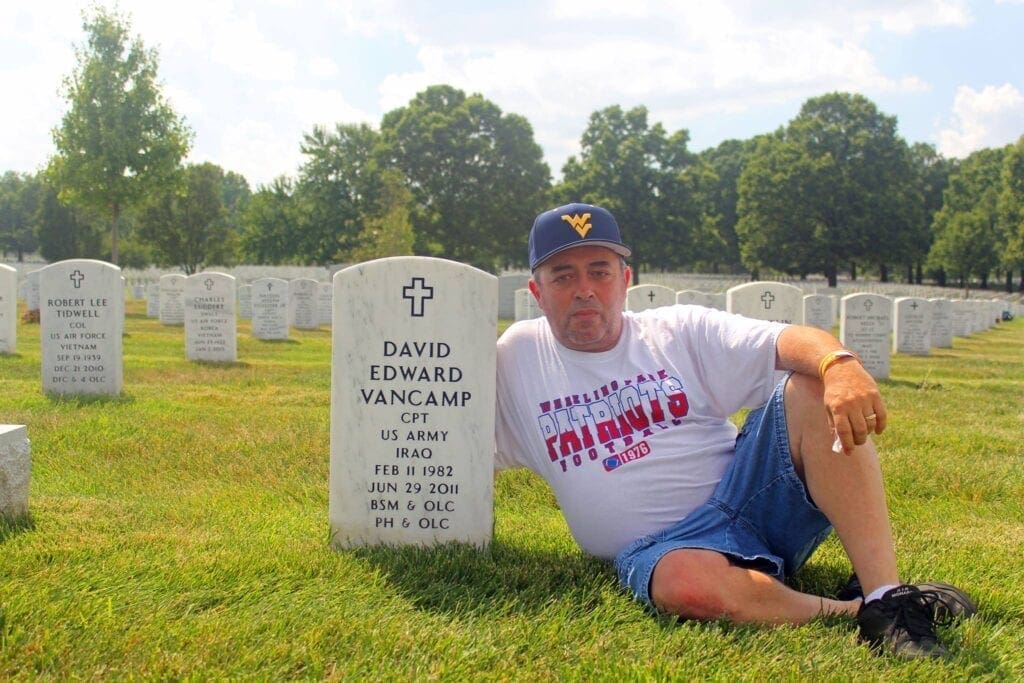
(912,326)
(302,304)
(8,309)
(153,300)
(15,471)
(270,308)
(643,297)
(324,302)
(412,403)
(526,305)
(941,335)
(245,302)
(210,318)
(508,285)
(864,324)
(172,299)
(963,318)
(695,297)
(767,300)
(82,318)
(32,291)
(818,311)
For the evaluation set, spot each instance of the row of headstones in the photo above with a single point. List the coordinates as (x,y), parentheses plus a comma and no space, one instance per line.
(413,393)
(871,325)
(412,397)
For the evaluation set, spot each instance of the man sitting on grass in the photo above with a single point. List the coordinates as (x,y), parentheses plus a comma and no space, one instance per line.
(626,415)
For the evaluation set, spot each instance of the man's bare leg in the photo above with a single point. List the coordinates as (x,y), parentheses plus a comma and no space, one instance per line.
(847,488)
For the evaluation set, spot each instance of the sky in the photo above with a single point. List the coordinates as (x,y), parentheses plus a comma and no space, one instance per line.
(251,77)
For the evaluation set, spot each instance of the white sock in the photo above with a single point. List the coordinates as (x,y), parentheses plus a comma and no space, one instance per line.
(878,592)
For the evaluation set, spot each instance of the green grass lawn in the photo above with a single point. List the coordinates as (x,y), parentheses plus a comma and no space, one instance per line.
(180,531)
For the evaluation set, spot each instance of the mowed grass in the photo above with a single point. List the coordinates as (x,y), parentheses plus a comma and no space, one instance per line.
(180,532)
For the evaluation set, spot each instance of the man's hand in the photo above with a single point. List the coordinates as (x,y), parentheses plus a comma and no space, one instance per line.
(854,403)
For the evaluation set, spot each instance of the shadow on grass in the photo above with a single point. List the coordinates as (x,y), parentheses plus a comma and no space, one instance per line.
(85,400)
(222,365)
(462,579)
(276,342)
(9,528)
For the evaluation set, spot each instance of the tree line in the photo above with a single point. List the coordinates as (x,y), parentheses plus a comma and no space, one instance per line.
(834,191)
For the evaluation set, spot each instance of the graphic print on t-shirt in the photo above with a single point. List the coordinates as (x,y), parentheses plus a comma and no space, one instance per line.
(612,421)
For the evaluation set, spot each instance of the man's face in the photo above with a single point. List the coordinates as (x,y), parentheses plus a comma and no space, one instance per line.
(582,291)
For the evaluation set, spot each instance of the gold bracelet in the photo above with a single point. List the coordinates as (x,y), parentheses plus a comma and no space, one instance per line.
(832,358)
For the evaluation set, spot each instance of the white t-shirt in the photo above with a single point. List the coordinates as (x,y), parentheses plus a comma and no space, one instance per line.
(631,440)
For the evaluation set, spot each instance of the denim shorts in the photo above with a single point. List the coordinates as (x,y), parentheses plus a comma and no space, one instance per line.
(760,515)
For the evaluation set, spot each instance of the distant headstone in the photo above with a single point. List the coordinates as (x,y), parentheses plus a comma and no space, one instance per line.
(324,302)
(153,300)
(15,471)
(767,301)
(412,403)
(245,302)
(719,301)
(963,318)
(694,297)
(912,326)
(270,309)
(642,297)
(172,299)
(526,305)
(32,291)
(941,334)
(302,304)
(508,285)
(210,318)
(8,309)
(818,311)
(82,318)
(138,291)
(864,324)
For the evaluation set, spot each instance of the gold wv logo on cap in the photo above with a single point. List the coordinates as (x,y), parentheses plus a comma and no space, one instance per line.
(581,224)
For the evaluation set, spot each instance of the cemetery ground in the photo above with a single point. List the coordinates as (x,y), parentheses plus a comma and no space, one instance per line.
(181,531)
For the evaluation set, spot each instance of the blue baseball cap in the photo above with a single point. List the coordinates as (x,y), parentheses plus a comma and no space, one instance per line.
(573,225)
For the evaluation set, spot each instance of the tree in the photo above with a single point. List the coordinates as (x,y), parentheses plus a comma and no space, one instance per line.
(657,189)
(932,175)
(1011,211)
(727,160)
(387,229)
(187,225)
(119,141)
(335,186)
(477,177)
(862,191)
(270,224)
(65,231)
(967,229)
(19,202)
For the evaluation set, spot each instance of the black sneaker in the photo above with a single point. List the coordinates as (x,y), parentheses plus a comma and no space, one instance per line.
(950,603)
(903,622)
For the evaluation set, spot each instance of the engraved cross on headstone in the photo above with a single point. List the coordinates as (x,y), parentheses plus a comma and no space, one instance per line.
(209,284)
(767,298)
(651,296)
(913,305)
(76,278)
(868,305)
(417,292)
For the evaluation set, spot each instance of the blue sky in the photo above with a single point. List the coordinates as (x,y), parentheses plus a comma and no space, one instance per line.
(251,77)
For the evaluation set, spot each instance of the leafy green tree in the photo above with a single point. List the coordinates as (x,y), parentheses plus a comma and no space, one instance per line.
(19,200)
(727,160)
(1011,211)
(657,189)
(477,177)
(119,141)
(387,229)
(336,184)
(861,194)
(271,231)
(66,231)
(932,175)
(187,225)
(968,233)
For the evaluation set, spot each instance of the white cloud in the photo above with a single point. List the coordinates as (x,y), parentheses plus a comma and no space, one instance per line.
(992,117)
